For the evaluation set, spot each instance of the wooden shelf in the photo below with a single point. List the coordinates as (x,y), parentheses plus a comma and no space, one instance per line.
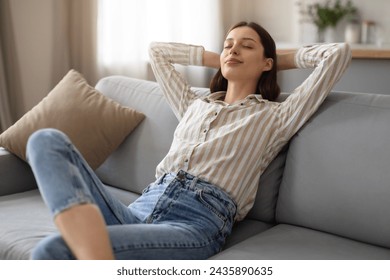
(358,51)
(371,53)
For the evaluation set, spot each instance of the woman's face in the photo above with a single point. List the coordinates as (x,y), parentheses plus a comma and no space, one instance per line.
(243,55)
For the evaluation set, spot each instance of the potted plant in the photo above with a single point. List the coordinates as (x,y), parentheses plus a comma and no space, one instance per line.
(326,16)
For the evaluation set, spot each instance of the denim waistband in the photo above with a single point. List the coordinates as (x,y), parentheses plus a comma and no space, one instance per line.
(195,183)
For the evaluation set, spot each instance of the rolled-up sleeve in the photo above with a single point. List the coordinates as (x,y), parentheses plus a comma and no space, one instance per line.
(329,62)
(177,91)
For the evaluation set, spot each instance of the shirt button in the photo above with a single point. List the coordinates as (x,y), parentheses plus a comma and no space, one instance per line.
(205,130)
(186,160)
(215,114)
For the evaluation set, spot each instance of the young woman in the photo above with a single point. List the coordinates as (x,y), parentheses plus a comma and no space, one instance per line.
(208,179)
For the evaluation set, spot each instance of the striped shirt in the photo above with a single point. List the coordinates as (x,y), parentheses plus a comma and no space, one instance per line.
(230,145)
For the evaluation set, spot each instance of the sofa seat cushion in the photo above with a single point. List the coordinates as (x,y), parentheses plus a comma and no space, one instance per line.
(245,229)
(286,242)
(25,220)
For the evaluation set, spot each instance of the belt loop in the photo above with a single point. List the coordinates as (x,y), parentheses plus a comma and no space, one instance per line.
(193,183)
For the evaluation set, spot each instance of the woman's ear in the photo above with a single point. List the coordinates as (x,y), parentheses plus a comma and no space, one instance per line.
(269,62)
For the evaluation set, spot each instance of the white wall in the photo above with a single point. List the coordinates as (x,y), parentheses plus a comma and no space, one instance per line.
(378,11)
(282,17)
(277,16)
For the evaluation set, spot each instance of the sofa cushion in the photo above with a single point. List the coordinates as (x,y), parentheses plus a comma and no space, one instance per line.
(268,190)
(287,242)
(244,229)
(133,165)
(18,234)
(337,176)
(95,124)
(24,221)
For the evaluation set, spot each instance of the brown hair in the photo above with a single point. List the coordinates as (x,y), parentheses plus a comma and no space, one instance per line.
(267,85)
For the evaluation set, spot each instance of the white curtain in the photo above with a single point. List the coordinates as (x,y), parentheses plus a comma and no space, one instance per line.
(126,28)
(75,43)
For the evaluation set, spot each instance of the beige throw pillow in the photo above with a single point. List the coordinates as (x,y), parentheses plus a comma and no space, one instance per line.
(95,124)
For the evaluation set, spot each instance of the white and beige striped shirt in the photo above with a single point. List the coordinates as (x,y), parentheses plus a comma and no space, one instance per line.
(230,145)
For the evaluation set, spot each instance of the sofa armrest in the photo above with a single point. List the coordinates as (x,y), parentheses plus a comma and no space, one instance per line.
(15,174)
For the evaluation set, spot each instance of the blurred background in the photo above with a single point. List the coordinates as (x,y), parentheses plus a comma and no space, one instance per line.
(40,40)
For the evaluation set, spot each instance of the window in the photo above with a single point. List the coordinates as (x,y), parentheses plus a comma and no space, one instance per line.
(126,28)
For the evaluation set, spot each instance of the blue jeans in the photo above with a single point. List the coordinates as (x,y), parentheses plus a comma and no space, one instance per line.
(177,217)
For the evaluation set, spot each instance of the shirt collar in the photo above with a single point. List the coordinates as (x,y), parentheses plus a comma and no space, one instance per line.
(218,97)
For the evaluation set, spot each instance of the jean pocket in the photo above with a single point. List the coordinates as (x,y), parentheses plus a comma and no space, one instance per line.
(215,206)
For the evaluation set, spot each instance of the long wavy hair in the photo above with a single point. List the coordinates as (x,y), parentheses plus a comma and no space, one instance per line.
(267,84)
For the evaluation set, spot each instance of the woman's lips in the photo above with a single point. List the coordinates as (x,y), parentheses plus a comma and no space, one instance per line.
(233,61)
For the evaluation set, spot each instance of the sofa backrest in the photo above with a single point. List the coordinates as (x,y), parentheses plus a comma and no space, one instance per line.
(132,165)
(337,175)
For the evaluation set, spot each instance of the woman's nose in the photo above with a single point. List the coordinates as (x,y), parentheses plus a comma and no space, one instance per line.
(234,50)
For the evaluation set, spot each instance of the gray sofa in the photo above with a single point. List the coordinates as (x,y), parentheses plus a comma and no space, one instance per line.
(325,196)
